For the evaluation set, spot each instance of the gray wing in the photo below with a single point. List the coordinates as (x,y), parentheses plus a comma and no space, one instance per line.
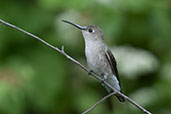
(112,62)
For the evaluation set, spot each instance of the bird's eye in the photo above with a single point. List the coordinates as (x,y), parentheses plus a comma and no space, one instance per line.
(90,30)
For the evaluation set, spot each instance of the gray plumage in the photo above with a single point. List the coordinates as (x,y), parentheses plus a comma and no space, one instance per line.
(99,57)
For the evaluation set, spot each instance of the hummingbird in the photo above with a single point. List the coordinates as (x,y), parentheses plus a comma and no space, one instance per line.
(100,59)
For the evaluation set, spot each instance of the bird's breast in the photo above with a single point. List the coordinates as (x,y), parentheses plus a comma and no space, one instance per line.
(95,58)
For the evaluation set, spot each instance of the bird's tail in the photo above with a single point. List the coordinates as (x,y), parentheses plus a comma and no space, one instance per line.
(121,99)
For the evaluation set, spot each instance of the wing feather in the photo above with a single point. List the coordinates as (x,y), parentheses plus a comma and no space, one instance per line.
(113,65)
(112,62)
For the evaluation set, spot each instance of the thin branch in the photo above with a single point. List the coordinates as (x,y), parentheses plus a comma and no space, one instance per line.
(100,101)
(76,62)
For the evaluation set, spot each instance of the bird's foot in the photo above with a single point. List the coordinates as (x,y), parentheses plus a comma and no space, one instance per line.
(103,79)
(90,72)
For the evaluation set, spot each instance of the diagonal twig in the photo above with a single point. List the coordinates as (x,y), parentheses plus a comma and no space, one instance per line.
(100,101)
(76,62)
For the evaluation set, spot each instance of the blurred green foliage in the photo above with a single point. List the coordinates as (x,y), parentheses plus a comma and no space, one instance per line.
(35,79)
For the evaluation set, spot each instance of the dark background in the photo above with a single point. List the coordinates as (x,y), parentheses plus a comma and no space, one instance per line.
(34,79)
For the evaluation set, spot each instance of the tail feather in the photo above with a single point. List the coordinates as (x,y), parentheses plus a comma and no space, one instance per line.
(121,99)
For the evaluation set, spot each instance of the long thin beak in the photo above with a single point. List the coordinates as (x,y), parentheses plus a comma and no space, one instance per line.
(78,26)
